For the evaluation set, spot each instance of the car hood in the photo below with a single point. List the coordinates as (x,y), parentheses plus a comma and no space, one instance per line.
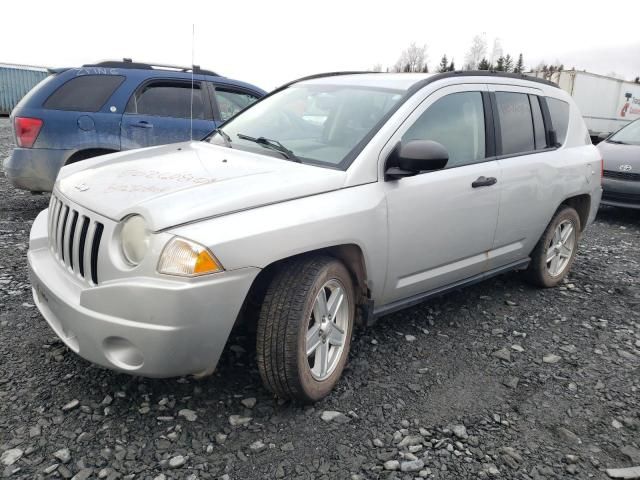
(616,155)
(181,183)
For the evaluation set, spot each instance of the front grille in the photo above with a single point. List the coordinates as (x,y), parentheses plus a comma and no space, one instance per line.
(74,238)
(622,175)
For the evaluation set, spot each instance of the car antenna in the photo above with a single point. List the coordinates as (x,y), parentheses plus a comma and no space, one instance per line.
(193,35)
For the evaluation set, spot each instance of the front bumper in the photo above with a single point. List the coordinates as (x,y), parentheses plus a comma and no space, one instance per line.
(621,193)
(35,169)
(152,327)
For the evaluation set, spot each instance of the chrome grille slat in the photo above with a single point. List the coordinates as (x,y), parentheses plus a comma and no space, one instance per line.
(73,239)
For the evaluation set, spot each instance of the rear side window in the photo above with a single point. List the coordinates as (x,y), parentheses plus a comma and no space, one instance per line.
(457,122)
(559,112)
(231,102)
(86,93)
(538,123)
(516,123)
(168,99)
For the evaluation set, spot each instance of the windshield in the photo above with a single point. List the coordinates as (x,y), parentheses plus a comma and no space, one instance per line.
(629,134)
(319,124)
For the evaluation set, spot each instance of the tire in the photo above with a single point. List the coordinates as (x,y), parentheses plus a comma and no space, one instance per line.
(289,313)
(541,271)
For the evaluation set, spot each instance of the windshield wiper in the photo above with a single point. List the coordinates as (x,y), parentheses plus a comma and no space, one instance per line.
(225,137)
(618,142)
(273,145)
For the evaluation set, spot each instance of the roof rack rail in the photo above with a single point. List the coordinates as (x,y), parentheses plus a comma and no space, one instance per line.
(128,63)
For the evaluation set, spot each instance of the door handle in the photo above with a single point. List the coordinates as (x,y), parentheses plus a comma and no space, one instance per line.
(142,124)
(484,182)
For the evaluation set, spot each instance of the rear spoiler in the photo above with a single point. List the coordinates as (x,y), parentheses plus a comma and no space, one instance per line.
(55,71)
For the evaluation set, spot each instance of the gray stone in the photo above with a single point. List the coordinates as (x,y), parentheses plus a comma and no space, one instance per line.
(248,402)
(177,461)
(64,455)
(502,354)
(412,466)
(220,438)
(71,405)
(257,446)
(189,415)
(568,436)
(391,465)
(460,431)
(238,420)
(83,474)
(333,416)
(551,358)
(626,473)
(9,457)
(410,440)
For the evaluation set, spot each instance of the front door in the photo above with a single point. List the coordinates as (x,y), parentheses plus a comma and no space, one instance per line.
(442,223)
(166,111)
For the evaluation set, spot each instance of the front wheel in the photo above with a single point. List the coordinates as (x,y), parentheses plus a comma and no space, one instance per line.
(553,256)
(304,329)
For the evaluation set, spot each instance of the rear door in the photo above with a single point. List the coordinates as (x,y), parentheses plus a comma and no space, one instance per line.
(165,111)
(530,178)
(442,223)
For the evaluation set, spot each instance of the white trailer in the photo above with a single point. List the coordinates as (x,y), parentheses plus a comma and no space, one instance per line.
(606,103)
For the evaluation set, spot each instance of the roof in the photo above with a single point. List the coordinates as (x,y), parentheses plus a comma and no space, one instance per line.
(406,81)
(16,66)
(128,63)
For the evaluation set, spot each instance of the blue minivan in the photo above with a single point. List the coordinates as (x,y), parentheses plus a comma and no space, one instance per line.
(78,113)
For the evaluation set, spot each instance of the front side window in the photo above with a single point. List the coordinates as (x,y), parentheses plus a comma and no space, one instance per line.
(319,124)
(559,112)
(231,102)
(168,99)
(516,123)
(629,134)
(457,122)
(84,93)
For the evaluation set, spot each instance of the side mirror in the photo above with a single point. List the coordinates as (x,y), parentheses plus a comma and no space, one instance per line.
(416,156)
(603,136)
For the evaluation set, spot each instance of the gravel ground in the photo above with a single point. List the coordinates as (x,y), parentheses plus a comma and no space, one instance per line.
(500,380)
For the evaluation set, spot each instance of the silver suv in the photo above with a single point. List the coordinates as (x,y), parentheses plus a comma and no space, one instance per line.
(334,200)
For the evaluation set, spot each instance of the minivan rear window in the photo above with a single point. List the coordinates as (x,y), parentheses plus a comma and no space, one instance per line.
(559,112)
(86,93)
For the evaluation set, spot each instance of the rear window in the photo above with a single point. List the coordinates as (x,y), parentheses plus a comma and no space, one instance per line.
(86,93)
(516,122)
(559,112)
(169,99)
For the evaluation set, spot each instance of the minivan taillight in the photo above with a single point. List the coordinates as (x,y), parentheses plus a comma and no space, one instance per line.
(27,130)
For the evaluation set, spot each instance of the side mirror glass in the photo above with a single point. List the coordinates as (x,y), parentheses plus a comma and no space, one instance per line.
(414,157)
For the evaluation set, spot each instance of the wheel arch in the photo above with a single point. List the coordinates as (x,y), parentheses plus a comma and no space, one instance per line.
(581,204)
(88,153)
(351,255)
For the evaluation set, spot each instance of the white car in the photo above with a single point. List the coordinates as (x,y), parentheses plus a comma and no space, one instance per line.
(399,188)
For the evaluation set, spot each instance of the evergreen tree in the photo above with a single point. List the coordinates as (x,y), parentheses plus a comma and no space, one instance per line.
(484,64)
(637,80)
(452,66)
(500,64)
(443,64)
(519,68)
(508,63)
(425,68)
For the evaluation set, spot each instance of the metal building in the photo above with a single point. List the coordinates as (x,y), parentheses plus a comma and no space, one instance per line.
(15,82)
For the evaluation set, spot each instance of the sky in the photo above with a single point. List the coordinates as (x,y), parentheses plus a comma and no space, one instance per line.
(270,42)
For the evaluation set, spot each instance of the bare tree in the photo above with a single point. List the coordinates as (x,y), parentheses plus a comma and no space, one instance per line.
(413,59)
(476,53)
(377,67)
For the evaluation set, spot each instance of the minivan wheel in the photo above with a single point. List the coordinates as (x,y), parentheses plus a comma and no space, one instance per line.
(304,328)
(553,256)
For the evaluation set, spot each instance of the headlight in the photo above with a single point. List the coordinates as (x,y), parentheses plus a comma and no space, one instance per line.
(134,239)
(187,259)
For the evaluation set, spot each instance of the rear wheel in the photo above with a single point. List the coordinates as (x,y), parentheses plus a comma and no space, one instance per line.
(553,256)
(304,329)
